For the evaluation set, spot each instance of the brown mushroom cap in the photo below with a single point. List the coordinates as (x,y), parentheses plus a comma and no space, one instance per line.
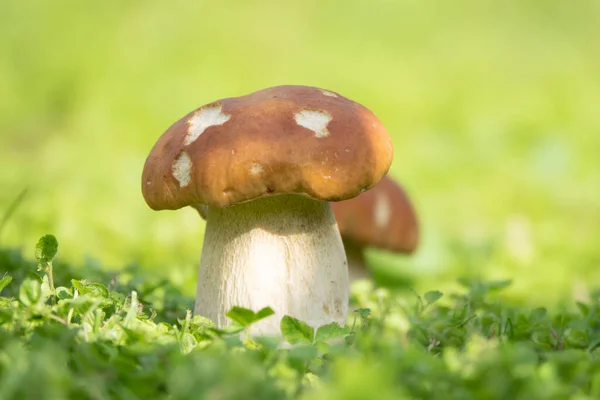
(382,217)
(280,140)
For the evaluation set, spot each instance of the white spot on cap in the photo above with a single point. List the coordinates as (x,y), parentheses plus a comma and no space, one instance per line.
(315,120)
(382,210)
(256,169)
(181,169)
(148,183)
(202,119)
(330,94)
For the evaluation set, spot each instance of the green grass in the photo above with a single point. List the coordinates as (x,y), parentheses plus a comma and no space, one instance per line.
(493,111)
(102,340)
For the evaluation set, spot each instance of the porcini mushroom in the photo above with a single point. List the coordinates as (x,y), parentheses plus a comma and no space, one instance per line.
(382,217)
(266,165)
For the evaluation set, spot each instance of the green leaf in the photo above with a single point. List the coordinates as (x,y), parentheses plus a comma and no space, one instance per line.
(46,248)
(46,291)
(295,331)
(81,305)
(30,292)
(538,314)
(4,282)
(34,275)
(246,317)
(118,298)
(97,290)
(363,312)
(91,289)
(227,330)
(543,339)
(6,302)
(594,345)
(242,316)
(188,342)
(576,338)
(331,331)
(264,313)
(63,293)
(200,322)
(432,296)
(6,315)
(79,285)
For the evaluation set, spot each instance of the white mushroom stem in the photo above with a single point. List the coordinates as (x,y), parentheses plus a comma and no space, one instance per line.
(284,252)
(357,267)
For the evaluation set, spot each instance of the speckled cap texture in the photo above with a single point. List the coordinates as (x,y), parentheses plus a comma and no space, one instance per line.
(280,140)
(382,217)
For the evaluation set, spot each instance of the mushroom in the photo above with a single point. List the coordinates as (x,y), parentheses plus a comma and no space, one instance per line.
(266,165)
(383,218)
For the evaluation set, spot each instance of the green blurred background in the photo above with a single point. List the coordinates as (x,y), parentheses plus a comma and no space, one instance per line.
(493,106)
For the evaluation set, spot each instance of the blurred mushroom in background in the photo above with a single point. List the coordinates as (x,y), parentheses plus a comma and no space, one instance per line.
(383,218)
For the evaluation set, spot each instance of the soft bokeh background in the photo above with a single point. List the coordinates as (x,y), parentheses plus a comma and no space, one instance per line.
(493,106)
